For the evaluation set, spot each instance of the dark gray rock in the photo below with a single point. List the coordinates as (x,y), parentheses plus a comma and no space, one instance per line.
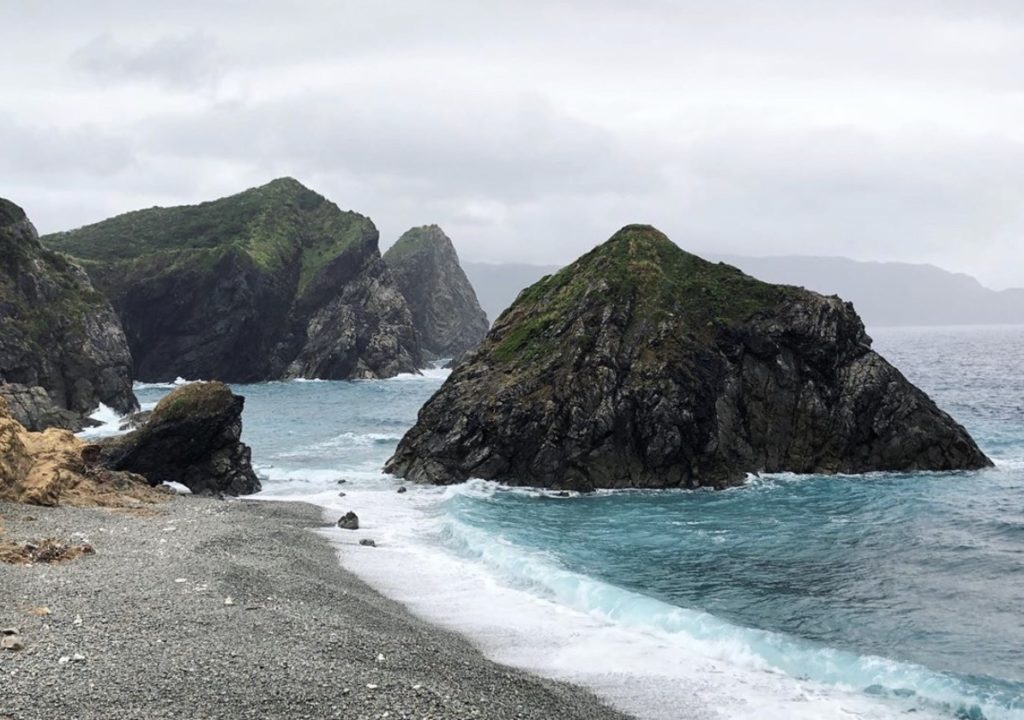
(641,365)
(56,331)
(192,437)
(349,521)
(367,542)
(273,282)
(34,408)
(444,306)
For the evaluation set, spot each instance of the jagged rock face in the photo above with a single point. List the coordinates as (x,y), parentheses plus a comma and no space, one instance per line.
(272,282)
(192,437)
(641,365)
(444,306)
(56,468)
(56,331)
(35,410)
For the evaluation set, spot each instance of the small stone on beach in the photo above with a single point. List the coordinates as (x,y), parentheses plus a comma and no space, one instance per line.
(367,542)
(229,601)
(349,521)
(402,489)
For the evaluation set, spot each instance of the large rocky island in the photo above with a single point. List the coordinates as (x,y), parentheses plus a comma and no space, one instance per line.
(62,349)
(444,306)
(641,365)
(272,282)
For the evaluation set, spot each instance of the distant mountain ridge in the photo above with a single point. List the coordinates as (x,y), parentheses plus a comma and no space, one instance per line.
(884,293)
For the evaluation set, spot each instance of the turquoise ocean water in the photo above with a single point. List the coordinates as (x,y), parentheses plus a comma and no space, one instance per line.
(793,596)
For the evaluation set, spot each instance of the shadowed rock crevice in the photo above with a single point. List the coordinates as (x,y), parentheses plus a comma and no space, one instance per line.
(641,365)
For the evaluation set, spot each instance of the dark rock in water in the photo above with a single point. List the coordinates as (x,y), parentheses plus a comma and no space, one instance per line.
(34,408)
(192,437)
(272,282)
(641,365)
(341,494)
(349,521)
(56,333)
(135,420)
(367,542)
(444,307)
(402,489)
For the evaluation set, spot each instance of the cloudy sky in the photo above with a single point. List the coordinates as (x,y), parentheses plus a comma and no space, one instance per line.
(532,130)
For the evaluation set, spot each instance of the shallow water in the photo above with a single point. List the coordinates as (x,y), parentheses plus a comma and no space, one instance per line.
(789,597)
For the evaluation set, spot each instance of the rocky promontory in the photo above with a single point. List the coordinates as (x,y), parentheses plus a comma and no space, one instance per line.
(62,348)
(444,306)
(192,437)
(641,365)
(272,282)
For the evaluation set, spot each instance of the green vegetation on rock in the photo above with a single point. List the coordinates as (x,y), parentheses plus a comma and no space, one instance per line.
(272,282)
(640,267)
(273,224)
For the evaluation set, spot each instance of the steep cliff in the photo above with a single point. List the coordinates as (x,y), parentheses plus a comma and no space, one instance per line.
(641,365)
(56,331)
(444,307)
(272,282)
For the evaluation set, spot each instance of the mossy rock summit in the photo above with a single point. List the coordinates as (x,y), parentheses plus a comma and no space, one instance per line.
(272,282)
(641,365)
(445,309)
(62,348)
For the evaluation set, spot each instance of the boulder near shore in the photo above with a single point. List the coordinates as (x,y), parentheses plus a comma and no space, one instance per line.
(192,437)
(641,365)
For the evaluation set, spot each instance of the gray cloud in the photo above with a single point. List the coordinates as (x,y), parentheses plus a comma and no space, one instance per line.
(177,62)
(533,130)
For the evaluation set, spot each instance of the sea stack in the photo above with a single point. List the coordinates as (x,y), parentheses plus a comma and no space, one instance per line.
(444,306)
(270,283)
(192,437)
(62,348)
(641,365)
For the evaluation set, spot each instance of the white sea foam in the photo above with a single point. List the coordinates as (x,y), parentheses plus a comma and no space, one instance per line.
(428,374)
(653,659)
(178,382)
(110,423)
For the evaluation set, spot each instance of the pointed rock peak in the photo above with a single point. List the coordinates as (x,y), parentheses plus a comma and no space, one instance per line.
(10,213)
(425,238)
(635,246)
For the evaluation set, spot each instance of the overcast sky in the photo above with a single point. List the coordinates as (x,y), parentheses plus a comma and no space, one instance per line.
(533,130)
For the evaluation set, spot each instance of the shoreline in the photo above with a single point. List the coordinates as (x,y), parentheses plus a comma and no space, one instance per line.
(300,637)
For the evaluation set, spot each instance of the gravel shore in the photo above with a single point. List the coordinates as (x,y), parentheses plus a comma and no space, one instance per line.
(233,609)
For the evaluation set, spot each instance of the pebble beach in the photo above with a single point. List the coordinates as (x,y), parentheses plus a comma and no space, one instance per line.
(205,608)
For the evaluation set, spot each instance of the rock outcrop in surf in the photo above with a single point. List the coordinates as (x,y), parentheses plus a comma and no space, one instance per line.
(62,348)
(192,437)
(641,365)
(445,310)
(272,282)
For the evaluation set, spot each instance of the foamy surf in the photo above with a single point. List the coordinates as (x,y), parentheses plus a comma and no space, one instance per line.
(109,423)
(646,657)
